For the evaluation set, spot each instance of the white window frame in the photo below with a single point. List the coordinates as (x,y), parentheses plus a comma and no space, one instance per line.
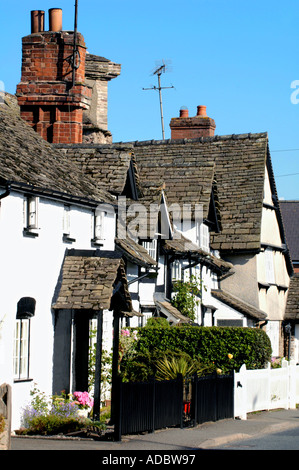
(31,212)
(214,280)
(99,226)
(176,271)
(151,248)
(21,349)
(66,223)
(203,236)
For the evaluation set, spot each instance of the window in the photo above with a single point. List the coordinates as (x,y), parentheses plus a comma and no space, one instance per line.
(151,248)
(66,220)
(214,280)
(176,271)
(98,226)
(269,266)
(66,225)
(31,214)
(21,349)
(203,236)
(25,310)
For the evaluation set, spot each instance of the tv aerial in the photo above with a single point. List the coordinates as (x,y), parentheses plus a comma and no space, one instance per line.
(158,71)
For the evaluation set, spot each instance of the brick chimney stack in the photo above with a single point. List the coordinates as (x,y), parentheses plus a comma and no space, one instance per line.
(48,99)
(185,127)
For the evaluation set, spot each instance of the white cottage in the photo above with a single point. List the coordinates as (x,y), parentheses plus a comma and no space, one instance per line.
(60,268)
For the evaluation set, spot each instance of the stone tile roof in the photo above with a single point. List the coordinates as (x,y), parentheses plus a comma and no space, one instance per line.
(188,168)
(176,168)
(88,282)
(290,216)
(135,253)
(27,159)
(238,304)
(292,307)
(107,164)
(169,310)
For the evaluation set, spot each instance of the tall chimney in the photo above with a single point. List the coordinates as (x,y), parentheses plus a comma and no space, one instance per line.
(48,99)
(185,127)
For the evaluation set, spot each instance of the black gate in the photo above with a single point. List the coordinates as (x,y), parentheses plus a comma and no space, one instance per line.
(212,398)
(146,406)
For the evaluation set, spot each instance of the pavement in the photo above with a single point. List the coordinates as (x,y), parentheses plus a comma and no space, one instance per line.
(207,436)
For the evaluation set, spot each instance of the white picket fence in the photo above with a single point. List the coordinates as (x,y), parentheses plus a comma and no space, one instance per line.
(266,389)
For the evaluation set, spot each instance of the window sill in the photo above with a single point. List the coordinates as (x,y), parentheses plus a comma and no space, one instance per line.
(97,242)
(68,239)
(22,380)
(30,232)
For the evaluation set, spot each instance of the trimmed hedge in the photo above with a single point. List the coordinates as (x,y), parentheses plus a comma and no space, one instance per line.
(212,345)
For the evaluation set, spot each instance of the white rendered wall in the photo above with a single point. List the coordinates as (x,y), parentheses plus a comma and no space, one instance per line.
(30,267)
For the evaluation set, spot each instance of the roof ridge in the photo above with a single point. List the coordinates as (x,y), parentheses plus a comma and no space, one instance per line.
(215,138)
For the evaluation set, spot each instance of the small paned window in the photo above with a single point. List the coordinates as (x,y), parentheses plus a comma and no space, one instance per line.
(151,248)
(99,226)
(176,271)
(31,204)
(32,212)
(25,310)
(203,236)
(21,349)
(66,220)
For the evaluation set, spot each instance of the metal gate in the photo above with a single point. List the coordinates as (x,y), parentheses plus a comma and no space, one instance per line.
(147,406)
(212,398)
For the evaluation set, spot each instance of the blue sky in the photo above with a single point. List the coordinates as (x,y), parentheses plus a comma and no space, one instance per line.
(237,57)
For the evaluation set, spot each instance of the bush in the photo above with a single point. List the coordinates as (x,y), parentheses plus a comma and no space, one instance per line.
(157,322)
(54,415)
(53,424)
(225,348)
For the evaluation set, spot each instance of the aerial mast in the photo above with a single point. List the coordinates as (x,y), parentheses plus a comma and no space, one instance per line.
(158,71)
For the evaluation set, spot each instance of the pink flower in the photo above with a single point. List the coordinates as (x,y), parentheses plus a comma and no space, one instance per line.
(125,332)
(83,399)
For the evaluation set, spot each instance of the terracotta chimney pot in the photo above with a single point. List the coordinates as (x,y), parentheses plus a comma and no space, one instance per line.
(184,113)
(37,21)
(201,110)
(55,19)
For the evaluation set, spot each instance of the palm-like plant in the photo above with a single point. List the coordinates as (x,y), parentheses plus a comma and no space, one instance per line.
(168,368)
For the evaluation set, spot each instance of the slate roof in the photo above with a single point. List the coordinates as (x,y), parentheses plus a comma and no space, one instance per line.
(28,161)
(238,304)
(135,253)
(292,307)
(107,164)
(188,168)
(168,164)
(88,281)
(290,215)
